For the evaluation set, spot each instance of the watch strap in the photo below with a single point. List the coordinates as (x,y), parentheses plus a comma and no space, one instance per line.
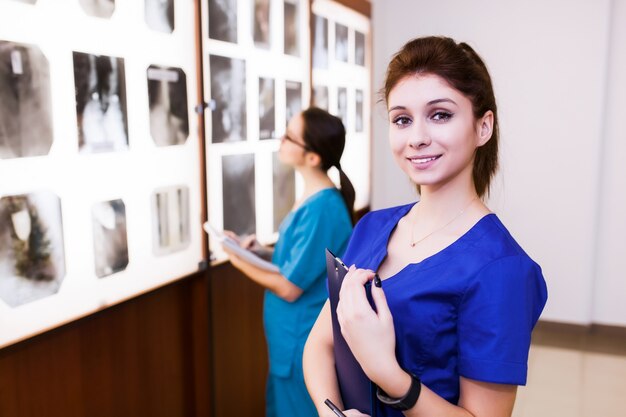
(408,400)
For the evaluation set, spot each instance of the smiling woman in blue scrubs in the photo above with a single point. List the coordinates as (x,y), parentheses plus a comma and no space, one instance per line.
(456,296)
(322,218)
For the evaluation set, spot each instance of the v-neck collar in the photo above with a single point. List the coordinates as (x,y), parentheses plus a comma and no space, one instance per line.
(381,244)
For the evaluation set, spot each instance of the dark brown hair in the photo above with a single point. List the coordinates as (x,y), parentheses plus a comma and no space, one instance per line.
(325,135)
(464,70)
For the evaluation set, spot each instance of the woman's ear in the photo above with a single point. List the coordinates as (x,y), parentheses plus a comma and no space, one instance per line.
(313,159)
(485,128)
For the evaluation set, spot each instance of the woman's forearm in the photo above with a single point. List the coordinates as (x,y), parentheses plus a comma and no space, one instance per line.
(273,281)
(264,253)
(319,364)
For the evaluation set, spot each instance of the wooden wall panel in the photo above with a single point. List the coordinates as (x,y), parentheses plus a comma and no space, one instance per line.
(362,6)
(238,343)
(146,357)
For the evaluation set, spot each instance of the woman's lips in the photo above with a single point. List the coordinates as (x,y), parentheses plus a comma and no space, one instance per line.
(423,161)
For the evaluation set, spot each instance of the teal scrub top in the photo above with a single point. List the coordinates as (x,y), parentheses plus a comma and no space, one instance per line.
(321,222)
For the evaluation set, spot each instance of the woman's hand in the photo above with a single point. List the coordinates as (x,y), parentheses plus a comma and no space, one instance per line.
(234,236)
(370,334)
(235,260)
(228,251)
(249,242)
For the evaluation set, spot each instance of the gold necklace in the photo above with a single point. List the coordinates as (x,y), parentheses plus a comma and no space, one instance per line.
(413,243)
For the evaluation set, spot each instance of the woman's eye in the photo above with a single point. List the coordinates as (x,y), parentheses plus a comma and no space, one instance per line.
(441,116)
(401,121)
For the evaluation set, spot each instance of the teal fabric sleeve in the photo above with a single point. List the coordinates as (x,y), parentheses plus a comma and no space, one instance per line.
(312,233)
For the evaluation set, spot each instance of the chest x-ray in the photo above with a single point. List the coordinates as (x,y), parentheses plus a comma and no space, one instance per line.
(267,109)
(25,102)
(167,94)
(32,259)
(100,103)
(341,43)
(358,113)
(320,97)
(292,32)
(342,105)
(109,237)
(320,42)
(284,185)
(98,8)
(159,15)
(170,220)
(223,20)
(228,91)
(238,185)
(261,31)
(293,96)
(359,48)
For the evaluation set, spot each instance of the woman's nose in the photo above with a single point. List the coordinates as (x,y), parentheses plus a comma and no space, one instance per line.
(420,136)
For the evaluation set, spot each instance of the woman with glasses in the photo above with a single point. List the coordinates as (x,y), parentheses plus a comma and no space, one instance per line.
(320,219)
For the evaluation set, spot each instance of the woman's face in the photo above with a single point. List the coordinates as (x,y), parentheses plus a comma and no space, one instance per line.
(432,131)
(292,147)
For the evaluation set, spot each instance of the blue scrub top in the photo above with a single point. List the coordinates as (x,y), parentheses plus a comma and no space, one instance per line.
(321,222)
(467,310)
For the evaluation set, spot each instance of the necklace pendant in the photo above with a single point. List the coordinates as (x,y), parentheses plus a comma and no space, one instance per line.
(413,244)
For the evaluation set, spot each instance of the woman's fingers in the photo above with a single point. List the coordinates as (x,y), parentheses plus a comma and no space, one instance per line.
(232,235)
(382,308)
(248,242)
(352,292)
(353,306)
(358,275)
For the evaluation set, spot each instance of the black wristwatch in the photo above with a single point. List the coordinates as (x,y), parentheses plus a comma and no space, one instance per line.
(404,403)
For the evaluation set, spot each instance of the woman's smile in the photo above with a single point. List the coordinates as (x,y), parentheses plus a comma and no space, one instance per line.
(423,162)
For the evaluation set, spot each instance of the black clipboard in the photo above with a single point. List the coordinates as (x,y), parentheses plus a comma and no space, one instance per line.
(357,391)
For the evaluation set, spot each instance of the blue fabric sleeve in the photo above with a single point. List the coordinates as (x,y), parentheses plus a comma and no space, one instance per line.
(496,316)
(306,261)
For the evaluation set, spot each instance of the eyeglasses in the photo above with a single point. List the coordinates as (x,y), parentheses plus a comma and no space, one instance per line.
(303,146)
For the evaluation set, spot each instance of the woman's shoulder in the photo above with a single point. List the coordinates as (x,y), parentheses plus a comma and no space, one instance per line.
(502,268)
(326,203)
(498,235)
(496,242)
(322,198)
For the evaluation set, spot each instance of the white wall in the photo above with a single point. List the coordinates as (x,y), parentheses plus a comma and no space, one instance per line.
(549,61)
(610,278)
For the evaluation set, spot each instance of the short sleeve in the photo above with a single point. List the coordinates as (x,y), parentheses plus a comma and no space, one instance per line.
(311,235)
(496,316)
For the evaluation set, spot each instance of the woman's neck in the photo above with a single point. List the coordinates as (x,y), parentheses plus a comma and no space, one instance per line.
(444,201)
(314,180)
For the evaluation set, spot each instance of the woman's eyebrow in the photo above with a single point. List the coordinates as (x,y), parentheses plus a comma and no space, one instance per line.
(430,103)
(441,100)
